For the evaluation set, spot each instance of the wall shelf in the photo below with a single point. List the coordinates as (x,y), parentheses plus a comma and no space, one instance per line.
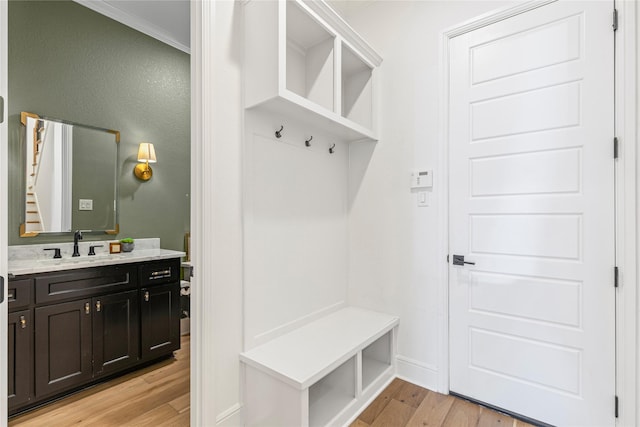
(304,61)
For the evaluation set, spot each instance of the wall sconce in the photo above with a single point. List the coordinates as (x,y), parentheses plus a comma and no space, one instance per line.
(146,155)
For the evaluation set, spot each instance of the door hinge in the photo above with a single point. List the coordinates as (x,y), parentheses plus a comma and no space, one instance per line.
(615,276)
(615,20)
(447,259)
(1,109)
(616,407)
(615,147)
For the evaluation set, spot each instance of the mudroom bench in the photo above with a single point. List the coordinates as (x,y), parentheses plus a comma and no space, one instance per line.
(322,373)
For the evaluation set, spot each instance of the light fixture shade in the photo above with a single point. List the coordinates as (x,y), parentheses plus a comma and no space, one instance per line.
(146,152)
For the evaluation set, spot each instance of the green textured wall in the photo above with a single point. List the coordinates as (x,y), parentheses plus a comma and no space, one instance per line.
(68,62)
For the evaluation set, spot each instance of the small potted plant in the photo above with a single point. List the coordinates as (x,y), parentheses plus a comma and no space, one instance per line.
(127,244)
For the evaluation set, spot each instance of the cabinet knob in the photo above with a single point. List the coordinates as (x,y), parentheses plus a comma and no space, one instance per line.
(23,322)
(98,305)
(146,296)
(87,308)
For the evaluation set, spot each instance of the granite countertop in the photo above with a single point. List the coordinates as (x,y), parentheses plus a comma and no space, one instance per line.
(30,259)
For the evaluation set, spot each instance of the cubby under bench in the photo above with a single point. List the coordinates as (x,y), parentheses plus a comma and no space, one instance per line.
(322,373)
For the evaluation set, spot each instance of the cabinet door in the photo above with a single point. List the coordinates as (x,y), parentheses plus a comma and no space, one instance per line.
(160,320)
(20,357)
(63,346)
(116,332)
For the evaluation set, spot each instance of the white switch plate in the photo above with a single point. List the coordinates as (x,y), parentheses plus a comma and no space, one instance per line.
(423,198)
(86,205)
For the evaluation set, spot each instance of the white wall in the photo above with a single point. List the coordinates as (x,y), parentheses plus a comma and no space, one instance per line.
(393,259)
(295,226)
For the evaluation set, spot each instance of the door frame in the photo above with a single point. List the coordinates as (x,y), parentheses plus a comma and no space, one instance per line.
(626,194)
(4,173)
(202,350)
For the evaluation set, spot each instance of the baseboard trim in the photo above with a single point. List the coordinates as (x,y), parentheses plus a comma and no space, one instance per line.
(417,372)
(230,417)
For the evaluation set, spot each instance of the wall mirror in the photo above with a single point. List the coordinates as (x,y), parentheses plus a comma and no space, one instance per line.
(71,177)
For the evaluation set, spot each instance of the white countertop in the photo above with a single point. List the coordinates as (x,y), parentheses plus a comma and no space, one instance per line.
(30,259)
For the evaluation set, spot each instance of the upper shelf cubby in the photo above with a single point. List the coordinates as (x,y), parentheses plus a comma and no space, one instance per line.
(303,60)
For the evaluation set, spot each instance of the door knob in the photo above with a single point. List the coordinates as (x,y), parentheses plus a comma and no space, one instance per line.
(459,260)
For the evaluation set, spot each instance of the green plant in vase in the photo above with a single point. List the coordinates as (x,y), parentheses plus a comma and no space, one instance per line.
(127,244)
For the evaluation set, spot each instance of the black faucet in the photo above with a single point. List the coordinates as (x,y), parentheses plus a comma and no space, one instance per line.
(76,236)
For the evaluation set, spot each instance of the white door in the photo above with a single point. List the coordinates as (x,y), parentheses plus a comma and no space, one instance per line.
(532,205)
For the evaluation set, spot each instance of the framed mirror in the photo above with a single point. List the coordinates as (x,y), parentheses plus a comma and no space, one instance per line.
(71,177)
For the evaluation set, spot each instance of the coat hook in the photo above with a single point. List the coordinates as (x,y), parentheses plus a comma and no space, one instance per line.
(332,148)
(307,142)
(278,132)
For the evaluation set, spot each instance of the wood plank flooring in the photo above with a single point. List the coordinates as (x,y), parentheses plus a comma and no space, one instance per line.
(157,395)
(405,404)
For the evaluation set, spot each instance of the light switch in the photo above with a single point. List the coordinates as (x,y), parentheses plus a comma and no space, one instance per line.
(423,198)
(86,204)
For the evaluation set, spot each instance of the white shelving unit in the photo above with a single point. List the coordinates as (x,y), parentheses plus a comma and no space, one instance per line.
(322,373)
(303,60)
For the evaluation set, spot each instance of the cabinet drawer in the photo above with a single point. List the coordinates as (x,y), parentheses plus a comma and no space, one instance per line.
(157,272)
(62,286)
(19,293)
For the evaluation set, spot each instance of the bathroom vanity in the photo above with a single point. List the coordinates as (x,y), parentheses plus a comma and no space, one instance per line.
(76,322)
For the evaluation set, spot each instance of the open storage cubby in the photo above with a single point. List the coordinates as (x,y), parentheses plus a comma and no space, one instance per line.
(332,393)
(376,358)
(309,58)
(357,89)
(304,61)
(321,374)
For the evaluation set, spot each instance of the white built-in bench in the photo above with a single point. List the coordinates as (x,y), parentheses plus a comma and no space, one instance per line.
(322,373)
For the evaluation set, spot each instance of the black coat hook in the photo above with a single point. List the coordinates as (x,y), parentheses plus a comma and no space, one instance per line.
(307,142)
(279,132)
(332,148)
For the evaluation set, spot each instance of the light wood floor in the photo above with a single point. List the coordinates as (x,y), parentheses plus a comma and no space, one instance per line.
(154,396)
(159,396)
(405,404)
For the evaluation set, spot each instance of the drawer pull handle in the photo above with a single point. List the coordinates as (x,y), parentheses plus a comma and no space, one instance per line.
(23,322)
(98,306)
(146,296)
(87,308)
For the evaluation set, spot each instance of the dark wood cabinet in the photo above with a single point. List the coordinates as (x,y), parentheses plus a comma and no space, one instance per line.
(20,356)
(72,328)
(160,319)
(62,346)
(116,332)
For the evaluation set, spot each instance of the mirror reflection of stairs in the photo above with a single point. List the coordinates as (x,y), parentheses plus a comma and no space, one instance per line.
(33,220)
(33,217)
